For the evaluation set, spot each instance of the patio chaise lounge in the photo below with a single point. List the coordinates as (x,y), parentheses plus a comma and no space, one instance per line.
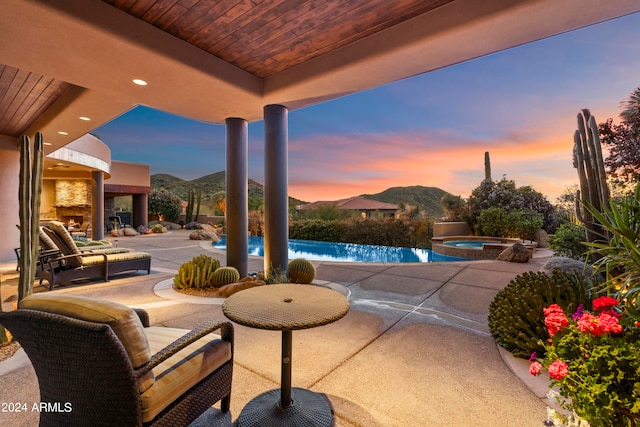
(47,242)
(103,364)
(74,264)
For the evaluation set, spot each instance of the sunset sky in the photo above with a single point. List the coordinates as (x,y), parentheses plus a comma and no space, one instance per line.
(432,130)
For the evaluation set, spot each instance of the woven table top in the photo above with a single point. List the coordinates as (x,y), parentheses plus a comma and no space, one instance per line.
(285,307)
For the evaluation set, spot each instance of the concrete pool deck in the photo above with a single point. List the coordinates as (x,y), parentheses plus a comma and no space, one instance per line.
(413,350)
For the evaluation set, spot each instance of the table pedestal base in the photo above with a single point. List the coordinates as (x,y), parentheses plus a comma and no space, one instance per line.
(307,409)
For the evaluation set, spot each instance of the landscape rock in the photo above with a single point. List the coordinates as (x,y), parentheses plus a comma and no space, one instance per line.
(204,235)
(515,253)
(542,238)
(128,231)
(568,265)
(232,288)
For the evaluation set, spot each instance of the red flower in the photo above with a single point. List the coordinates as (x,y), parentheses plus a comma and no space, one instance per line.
(535,368)
(604,323)
(588,323)
(558,370)
(604,303)
(609,324)
(554,319)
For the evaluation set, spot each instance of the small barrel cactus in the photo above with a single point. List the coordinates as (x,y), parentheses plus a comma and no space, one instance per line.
(196,273)
(225,275)
(516,317)
(301,271)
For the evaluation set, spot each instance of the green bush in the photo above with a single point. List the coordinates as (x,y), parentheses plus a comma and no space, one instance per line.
(516,317)
(500,222)
(158,228)
(494,222)
(165,204)
(386,232)
(567,241)
(618,259)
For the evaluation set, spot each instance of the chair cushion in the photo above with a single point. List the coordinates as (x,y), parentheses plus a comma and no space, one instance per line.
(183,370)
(45,241)
(123,320)
(113,257)
(58,228)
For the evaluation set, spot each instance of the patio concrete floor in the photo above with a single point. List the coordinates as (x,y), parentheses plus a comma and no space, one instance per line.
(414,350)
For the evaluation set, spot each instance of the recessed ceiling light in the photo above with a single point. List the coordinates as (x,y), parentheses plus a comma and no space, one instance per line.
(46,143)
(140,82)
(63,132)
(86,119)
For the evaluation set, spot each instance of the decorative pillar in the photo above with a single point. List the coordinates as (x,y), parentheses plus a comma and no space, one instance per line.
(276,200)
(237,195)
(97,205)
(140,208)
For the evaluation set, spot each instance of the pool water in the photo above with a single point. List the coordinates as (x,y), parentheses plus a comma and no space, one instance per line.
(346,252)
(477,244)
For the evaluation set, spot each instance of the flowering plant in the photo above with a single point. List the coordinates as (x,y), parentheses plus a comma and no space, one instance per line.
(594,360)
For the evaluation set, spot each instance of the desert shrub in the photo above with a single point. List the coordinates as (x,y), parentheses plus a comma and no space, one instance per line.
(516,317)
(158,228)
(386,232)
(165,204)
(196,273)
(504,194)
(567,241)
(500,222)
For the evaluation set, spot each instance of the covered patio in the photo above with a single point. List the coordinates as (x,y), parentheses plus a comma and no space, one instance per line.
(66,70)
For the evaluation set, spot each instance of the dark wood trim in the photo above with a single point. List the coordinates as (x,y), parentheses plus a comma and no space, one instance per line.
(113,189)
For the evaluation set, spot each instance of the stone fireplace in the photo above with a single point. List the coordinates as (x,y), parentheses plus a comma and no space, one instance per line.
(73,200)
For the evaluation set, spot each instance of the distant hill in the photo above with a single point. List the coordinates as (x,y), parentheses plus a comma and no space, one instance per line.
(427,198)
(210,184)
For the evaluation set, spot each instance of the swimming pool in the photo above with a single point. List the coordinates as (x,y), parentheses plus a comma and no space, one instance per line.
(346,252)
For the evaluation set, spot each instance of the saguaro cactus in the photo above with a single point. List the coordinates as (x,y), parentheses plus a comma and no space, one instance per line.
(587,159)
(487,167)
(29,195)
(189,209)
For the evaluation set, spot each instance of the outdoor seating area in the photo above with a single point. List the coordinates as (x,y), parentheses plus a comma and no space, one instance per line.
(413,349)
(106,366)
(73,263)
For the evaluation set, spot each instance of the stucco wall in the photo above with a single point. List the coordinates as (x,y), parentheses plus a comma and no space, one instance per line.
(9,171)
(126,173)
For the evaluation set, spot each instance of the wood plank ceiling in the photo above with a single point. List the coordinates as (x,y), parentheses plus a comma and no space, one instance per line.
(24,96)
(266,37)
(262,37)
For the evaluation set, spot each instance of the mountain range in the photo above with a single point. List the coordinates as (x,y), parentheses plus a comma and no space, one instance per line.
(427,198)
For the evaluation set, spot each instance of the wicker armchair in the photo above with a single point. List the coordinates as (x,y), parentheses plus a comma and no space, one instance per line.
(94,364)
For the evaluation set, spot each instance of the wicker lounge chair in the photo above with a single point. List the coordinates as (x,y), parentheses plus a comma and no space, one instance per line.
(75,264)
(99,363)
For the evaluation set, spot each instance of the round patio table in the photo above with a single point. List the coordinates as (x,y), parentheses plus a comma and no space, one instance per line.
(286,307)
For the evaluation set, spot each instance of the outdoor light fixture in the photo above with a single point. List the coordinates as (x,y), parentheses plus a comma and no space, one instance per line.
(140,82)
(61,132)
(86,119)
